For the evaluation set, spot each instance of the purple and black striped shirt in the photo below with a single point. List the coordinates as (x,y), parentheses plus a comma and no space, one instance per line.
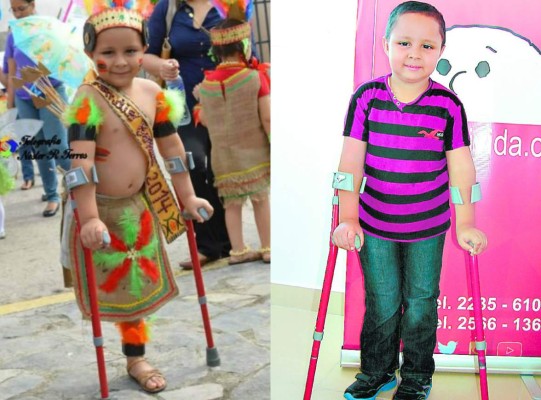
(406,197)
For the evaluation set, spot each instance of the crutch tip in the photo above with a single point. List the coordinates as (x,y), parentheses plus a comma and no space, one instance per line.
(213,359)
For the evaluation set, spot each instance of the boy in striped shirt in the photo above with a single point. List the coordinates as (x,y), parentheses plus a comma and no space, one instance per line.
(407,137)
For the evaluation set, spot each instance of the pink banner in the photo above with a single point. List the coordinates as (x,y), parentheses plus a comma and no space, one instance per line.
(492,63)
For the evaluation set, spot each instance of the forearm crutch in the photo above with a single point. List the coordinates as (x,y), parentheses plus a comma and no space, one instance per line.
(213,358)
(339,182)
(480,343)
(93,299)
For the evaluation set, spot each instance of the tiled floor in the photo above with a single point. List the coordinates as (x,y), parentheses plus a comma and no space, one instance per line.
(291,333)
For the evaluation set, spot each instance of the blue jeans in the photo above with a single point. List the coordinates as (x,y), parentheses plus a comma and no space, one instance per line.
(26,164)
(47,156)
(402,288)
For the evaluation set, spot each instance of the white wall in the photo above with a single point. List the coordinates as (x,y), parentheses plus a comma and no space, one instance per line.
(313,46)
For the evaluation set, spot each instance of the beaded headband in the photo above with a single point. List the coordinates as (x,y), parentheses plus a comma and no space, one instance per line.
(106,14)
(220,37)
(232,9)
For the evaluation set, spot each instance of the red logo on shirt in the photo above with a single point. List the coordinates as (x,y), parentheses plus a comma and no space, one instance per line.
(435,134)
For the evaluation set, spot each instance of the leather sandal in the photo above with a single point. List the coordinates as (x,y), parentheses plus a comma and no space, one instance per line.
(143,377)
(243,256)
(265,254)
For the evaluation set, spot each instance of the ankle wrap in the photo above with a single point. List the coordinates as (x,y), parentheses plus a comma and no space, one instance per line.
(133,350)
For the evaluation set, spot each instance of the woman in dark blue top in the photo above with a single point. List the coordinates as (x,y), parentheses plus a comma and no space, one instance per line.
(190,44)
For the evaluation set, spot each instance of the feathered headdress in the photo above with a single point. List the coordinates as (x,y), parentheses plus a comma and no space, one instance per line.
(232,9)
(106,14)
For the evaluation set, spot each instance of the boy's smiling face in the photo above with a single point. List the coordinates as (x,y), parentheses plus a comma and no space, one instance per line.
(414,47)
(118,56)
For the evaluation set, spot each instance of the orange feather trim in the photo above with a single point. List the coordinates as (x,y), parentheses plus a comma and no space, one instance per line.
(197,114)
(133,332)
(162,113)
(83,112)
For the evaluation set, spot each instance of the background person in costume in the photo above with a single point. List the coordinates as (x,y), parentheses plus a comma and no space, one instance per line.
(190,42)
(113,120)
(53,137)
(407,137)
(235,102)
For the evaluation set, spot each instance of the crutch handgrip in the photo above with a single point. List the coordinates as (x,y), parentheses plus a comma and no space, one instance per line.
(357,242)
(106,238)
(200,210)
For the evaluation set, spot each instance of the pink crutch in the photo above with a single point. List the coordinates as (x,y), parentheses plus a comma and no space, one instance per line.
(480,343)
(93,299)
(341,182)
(323,302)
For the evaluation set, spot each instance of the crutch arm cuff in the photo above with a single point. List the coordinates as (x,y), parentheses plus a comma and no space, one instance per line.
(456,197)
(77,177)
(476,193)
(175,165)
(344,181)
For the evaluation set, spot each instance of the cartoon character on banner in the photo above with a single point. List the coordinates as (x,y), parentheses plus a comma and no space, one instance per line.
(492,70)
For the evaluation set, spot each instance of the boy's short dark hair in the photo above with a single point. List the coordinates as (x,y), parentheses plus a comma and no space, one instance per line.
(227,50)
(416,7)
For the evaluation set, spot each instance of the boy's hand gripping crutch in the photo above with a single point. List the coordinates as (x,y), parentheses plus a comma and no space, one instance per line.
(213,358)
(480,343)
(92,291)
(343,182)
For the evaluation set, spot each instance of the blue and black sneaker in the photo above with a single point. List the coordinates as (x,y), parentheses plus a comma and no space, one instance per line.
(413,389)
(367,387)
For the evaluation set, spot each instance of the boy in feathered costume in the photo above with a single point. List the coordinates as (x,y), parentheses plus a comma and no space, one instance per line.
(119,188)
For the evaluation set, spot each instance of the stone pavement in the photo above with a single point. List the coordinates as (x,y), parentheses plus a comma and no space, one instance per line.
(46,349)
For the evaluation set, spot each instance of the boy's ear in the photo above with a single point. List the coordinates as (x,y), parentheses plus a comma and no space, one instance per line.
(385,43)
(442,48)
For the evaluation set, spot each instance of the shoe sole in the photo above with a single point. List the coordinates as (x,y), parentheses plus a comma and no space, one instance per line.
(427,393)
(384,388)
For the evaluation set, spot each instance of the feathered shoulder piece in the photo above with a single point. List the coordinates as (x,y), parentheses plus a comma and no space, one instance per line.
(169,107)
(240,10)
(106,14)
(83,111)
